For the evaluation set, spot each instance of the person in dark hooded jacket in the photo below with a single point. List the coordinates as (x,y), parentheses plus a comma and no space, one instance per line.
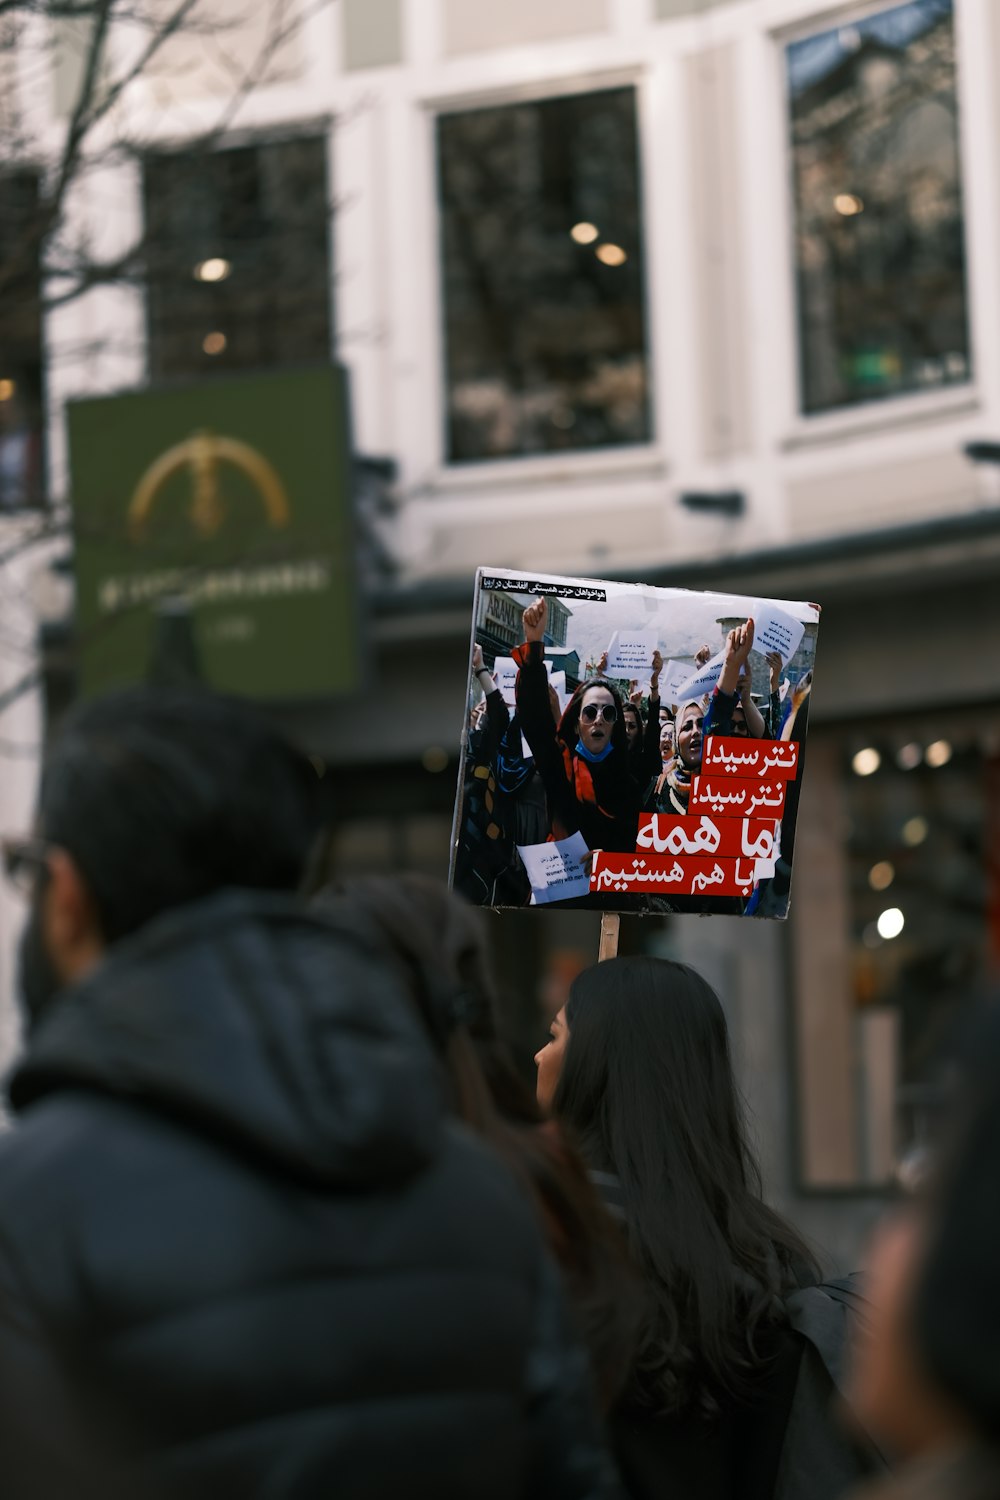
(243,1252)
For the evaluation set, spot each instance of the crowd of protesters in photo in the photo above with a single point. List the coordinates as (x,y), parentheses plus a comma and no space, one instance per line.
(281,1218)
(613,753)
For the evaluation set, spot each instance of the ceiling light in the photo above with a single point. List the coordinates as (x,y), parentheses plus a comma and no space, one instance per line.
(938,754)
(213,269)
(908,757)
(915,830)
(214,343)
(848,204)
(866,762)
(891,923)
(881,876)
(7,389)
(585,234)
(611,255)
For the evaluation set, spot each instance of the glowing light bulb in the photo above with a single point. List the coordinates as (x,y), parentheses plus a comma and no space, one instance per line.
(611,255)
(938,754)
(213,269)
(866,762)
(891,923)
(915,830)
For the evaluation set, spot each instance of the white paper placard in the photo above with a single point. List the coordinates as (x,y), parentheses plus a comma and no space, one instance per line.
(630,653)
(556,870)
(776,630)
(673,677)
(702,682)
(505,671)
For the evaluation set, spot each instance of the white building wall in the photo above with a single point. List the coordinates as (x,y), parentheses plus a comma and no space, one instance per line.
(718,230)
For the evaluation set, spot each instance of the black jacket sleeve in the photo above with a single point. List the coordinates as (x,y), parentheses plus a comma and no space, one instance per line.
(567,1455)
(719,714)
(651,763)
(53,1448)
(535,715)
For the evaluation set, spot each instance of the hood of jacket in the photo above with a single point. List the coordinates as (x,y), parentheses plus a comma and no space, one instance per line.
(251,1020)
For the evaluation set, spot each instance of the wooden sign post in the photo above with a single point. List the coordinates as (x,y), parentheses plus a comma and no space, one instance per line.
(610,923)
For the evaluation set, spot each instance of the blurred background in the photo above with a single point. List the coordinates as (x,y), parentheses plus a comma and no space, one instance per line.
(310,307)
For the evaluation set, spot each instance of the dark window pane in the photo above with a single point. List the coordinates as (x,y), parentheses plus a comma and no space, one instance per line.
(22,403)
(878,201)
(543,277)
(923,888)
(237,258)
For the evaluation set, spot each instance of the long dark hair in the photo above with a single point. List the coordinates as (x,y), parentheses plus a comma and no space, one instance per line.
(437,942)
(647,1085)
(569,725)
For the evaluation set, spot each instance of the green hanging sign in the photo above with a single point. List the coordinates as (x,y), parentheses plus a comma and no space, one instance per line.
(226,506)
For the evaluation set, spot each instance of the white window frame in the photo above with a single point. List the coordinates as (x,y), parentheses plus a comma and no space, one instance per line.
(791,428)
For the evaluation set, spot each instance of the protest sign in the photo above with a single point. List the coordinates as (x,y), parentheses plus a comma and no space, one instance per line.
(505,672)
(556,871)
(630,654)
(673,677)
(776,630)
(700,683)
(706,827)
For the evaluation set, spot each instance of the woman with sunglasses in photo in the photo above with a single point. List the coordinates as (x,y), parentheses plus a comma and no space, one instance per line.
(583,760)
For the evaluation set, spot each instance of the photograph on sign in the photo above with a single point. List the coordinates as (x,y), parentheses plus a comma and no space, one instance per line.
(631,749)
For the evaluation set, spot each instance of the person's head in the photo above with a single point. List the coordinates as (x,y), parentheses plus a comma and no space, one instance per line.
(595,717)
(435,938)
(666,739)
(956,1303)
(549,1061)
(437,942)
(892,1388)
(633,723)
(646,1082)
(740,728)
(688,737)
(151,799)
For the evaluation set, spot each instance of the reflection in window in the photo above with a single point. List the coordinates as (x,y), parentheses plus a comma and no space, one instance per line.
(543,277)
(237,258)
(878,202)
(21,387)
(924,892)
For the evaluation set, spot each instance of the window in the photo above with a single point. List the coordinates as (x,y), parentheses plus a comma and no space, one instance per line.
(542,274)
(879,236)
(237,258)
(896,924)
(22,404)
(922,808)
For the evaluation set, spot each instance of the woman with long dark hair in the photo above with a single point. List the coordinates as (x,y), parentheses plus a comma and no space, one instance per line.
(638,1065)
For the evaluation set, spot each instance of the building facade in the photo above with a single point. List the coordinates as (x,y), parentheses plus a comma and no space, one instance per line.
(690,292)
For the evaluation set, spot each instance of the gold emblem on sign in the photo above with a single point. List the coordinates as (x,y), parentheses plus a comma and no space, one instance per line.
(202,454)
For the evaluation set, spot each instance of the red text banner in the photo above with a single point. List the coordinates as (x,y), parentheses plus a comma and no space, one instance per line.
(705,837)
(736,797)
(663,875)
(773,760)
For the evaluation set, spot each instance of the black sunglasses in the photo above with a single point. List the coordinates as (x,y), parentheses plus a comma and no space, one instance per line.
(24,860)
(607,711)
